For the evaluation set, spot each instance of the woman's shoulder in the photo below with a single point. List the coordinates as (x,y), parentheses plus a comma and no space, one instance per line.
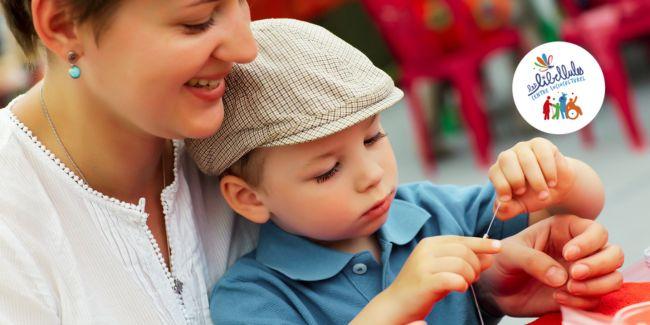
(23,202)
(5,126)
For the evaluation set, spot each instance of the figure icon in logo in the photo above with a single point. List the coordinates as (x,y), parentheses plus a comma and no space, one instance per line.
(573,110)
(562,100)
(547,108)
(557,111)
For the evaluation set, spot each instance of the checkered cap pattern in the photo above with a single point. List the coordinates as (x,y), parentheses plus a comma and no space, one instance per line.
(305,84)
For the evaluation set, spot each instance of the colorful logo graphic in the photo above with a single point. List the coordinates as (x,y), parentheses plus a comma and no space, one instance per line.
(563,109)
(544,62)
(564,81)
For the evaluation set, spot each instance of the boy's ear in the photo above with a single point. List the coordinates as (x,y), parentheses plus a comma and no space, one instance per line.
(243,199)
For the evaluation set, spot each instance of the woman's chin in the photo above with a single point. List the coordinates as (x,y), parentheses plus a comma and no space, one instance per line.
(204,125)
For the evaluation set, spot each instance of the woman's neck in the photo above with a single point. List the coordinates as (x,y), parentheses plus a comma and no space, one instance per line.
(115,158)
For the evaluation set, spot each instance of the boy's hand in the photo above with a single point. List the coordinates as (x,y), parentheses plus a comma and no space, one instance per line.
(531,176)
(562,260)
(437,266)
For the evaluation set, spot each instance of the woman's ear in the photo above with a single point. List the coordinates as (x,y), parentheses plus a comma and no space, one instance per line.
(56,27)
(244,199)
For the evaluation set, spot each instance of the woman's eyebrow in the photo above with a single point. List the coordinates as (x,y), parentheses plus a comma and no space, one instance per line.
(200,2)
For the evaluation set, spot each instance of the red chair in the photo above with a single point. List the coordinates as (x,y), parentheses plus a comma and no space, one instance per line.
(297,9)
(574,8)
(601,31)
(421,54)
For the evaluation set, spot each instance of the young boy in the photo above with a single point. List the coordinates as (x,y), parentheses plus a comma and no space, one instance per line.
(302,152)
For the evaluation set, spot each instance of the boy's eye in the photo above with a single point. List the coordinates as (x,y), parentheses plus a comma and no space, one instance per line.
(374,138)
(327,175)
(198,28)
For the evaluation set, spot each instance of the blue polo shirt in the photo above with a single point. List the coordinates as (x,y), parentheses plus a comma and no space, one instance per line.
(290,280)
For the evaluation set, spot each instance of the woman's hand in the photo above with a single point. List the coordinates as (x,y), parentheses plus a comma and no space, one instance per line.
(437,266)
(563,260)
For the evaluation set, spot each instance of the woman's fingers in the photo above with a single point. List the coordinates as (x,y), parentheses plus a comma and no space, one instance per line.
(536,263)
(588,238)
(597,286)
(566,299)
(606,261)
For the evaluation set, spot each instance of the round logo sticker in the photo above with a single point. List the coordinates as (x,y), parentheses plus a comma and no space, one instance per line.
(558,88)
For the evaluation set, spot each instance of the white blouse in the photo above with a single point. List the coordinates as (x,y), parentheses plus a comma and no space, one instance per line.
(69,254)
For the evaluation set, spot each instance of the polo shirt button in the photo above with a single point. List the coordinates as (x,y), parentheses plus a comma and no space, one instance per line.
(359,268)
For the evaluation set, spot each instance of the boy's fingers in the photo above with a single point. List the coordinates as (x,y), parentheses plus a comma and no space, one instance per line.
(566,299)
(536,263)
(486,261)
(461,251)
(532,171)
(509,164)
(596,287)
(476,244)
(447,281)
(482,245)
(589,237)
(510,209)
(565,174)
(546,159)
(455,265)
(501,185)
(606,261)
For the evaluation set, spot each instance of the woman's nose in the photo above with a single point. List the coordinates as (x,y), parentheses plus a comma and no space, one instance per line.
(239,45)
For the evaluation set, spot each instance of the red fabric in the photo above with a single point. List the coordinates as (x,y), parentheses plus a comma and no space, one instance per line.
(631,293)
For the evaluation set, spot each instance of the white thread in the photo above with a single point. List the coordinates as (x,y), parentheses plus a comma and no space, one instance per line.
(486,235)
(478,308)
(487,232)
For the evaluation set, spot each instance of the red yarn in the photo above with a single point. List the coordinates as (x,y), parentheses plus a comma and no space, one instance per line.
(630,293)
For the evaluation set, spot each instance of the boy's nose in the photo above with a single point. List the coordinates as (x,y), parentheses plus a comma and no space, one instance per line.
(238,45)
(370,175)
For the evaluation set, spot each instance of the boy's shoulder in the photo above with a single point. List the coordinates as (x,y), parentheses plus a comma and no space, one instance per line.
(248,269)
(423,192)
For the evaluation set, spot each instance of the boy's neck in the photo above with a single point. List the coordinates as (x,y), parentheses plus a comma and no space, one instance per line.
(356,245)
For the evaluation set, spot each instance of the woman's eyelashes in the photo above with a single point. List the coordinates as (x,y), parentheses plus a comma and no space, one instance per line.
(198,28)
(328,174)
(374,138)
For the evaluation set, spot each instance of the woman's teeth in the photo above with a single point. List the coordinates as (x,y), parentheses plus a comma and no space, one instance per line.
(203,83)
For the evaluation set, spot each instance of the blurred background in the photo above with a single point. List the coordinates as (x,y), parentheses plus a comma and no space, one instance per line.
(455,60)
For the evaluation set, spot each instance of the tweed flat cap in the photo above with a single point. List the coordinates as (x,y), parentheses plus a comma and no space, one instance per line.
(305,84)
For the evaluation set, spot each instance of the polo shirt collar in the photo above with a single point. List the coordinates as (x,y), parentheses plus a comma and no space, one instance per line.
(301,259)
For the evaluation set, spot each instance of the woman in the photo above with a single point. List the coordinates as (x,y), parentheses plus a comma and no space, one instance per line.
(102,218)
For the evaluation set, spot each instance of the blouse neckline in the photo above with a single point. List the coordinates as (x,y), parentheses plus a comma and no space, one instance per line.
(166,194)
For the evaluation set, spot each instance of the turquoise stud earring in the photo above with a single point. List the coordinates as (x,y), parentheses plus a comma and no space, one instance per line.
(74,70)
